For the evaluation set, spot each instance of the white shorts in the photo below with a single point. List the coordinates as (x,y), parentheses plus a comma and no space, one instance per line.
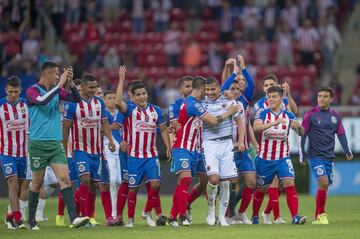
(219,158)
(49,177)
(113,160)
(28,170)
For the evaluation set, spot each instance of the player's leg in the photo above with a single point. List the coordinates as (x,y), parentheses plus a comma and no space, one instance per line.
(123,190)
(34,192)
(273,204)
(24,193)
(148,206)
(48,188)
(114,167)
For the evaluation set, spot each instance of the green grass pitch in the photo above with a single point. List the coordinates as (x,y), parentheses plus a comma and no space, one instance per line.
(343,213)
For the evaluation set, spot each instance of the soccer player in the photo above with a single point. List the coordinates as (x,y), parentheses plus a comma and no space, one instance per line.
(144,118)
(13,147)
(45,146)
(85,119)
(321,124)
(187,146)
(218,149)
(274,124)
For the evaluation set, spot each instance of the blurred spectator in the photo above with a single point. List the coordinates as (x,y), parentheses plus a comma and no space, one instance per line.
(138,16)
(161,16)
(355,98)
(73,11)
(284,46)
(193,21)
(128,57)
(169,93)
(57,15)
(226,22)
(14,66)
(77,66)
(192,54)
(12,44)
(335,84)
(31,46)
(307,93)
(250,20)
(2,49)
(111,59)
(312,12)
(111,9)
(270,16)
(330,40)
(93,9)
(308,41)
(28,77)
(172,44)
(92,32)
(216,57)
(262,51)
(290,14)
(91,56)
(215,7)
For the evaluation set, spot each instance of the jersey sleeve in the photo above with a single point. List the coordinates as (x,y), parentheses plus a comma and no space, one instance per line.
(286,101)
(69,111)
(196,109)
(104,114)
(119,119)
(161,119)
(110,117)
(306,123)
(171,112)
(340,128)
(260,115)
(129,108)
(291,115)
(257,106)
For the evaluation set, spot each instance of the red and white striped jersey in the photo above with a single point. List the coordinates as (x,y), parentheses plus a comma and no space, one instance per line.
(141,128)
(86,117)
(14,123)
(308,39)
(274,143)
(189,135)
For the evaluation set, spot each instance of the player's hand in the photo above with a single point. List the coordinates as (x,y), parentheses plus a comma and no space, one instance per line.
(279,121)
(229,62)
(122,71)
(124,146)
(286,88)
(349,157)
(294,124)
(234,109)
(112,146)
(171,130)
(241,147)
(168,155)
(241,60)
(64,77)
(228,95)
(256,147)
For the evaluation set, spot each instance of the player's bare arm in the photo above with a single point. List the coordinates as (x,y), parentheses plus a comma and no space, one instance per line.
(107,132)
(215,120)
(120,103)
(253,138)
(292,105)
(67,124)
(227,69)
(240,123)
(241,60)
(259,126)
(166,139)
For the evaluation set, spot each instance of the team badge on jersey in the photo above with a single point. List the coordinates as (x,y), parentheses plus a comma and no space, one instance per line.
(81,168)
(333,120)
(131,180)
(8,170)
(184,164)
(126,176)
(319,171)
(260,181)
(36,163)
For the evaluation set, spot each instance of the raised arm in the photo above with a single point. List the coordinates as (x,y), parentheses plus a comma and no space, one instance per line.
(229,77)
(292,105)
(250,85)
(120,103)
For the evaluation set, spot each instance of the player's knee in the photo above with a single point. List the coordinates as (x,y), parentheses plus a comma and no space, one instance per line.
(12,181)
(251,183)
(36,184)
(64,181)
(262,189)
(104,187)
(214,180)
(85,180)
(323,183)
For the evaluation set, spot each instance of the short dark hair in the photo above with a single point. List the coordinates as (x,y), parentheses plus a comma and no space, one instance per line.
(48,65)
(13,81)
(271,77)
(108,92)
(136,85)
(275,89)
(87,77)
(211,80)
(184,79)
(198,82)
(131,84)
(326,89)
(77,81)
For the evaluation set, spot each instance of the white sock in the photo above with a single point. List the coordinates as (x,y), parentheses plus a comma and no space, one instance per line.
(114,187)
(9,209)
(40,208)
(224,198)
(211,192)
(49,190)
(23,206)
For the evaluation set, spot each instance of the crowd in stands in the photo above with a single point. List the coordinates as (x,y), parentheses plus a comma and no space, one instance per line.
(161,40)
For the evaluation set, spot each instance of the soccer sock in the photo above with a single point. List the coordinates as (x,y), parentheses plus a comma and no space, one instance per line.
(246,196)
(91,204)
(239,194)
(121,198)
(131,204)
(257,201)
(83,199)
(40,208)
(231,210)
(61,205)
(33,202)
(68,197)
(268,206)
(114,187)
(49,190)
(194,194)
(9,209)
(106,202)
(292,200)
(77,201)
(155,201)
(175,207)
(183,195)
(23,206)
(17,216)
(320,201)
(224,198)
(274,199)
(212,192)
(148,205)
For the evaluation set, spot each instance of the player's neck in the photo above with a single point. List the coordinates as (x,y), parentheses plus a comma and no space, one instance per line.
(196,94)
(111,109)
(276,110)
(85,97)
(325,108)
(45,82)
(13,102)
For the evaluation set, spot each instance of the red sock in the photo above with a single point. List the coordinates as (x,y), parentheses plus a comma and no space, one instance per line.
(292,200)
(121,198)
(183,195)
(83,199)
(195,193)
(17,216)
(9,216)
(131,204)
(92,199)
(175,206)
(274,200)
(257,201)
(155,201)
(61,205)
(77,201)
(148,205)
(268,206)
(320,201)
(246,197)
(106,202)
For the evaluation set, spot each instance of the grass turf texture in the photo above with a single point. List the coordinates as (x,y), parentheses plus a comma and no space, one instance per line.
(343,213)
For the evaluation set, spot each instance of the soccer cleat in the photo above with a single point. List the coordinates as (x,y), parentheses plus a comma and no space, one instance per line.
(299,220)
(60,221)
(33,225)
(130,223)
(184,221)
(161,221)
(211,220)
(80,221)
(172,222)
(233,221)
(279,220)
(119,222)
(110,222)
(243,218)
(147,216)
(9,222)
(41,219)
(266,218)
(222,222)
(20,225)
(321,220)
(93,222)
(188,214)
(255,220)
